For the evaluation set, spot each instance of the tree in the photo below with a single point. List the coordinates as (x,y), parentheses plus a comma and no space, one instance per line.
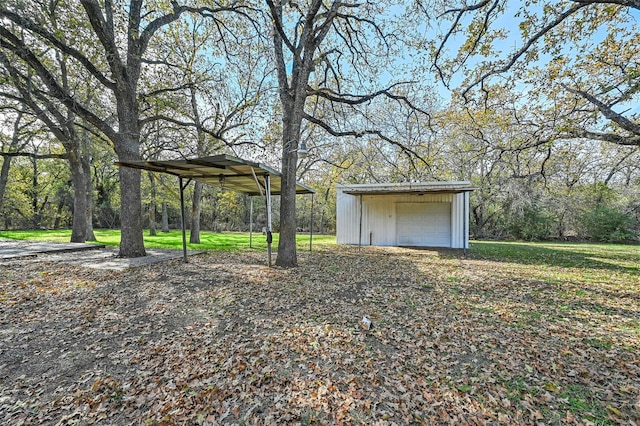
(111,44)
(11,145)
(61,122)
(326,41)
(559,59)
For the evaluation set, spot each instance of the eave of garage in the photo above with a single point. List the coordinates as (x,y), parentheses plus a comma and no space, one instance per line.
(407,188)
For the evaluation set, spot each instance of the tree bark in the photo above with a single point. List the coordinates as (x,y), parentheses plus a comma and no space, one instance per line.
(86,166)
(131,240)
(79,182)
(165,217)
(128,149)
(4,178)
(194,234)
(152,206)
(287,253)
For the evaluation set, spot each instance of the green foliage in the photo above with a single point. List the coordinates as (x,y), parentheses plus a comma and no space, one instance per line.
(609,224)
(37,194)
(534,223)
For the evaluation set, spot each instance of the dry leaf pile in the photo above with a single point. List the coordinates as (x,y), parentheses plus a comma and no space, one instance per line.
(226,340)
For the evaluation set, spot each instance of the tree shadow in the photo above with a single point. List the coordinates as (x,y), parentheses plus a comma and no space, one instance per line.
(580,256)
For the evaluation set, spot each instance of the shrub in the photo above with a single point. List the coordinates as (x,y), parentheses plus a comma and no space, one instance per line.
(533,224)
(609,224)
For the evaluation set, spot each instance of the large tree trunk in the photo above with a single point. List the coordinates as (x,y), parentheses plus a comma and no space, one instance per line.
(152,206)
(287,254)
(79,227)
(194,235)
(86,166)
(292,123)
(4,178)
(131,240)
(128,149)
(165,217)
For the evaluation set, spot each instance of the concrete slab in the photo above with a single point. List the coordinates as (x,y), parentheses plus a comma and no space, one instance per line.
(108,258)
(95,256)
(16,249)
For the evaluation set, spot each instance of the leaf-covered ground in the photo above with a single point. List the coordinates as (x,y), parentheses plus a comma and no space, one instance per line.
(225,340)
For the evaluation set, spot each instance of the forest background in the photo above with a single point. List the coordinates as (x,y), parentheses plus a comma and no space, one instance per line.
(535,103)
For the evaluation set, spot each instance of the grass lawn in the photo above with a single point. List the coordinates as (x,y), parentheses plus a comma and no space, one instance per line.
(173,239)
(511,333)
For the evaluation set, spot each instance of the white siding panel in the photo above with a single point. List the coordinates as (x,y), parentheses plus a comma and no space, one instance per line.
(377,230)
(460,224)
(457,221)
(347,218)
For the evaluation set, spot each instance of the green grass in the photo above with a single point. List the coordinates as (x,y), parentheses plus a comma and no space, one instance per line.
(173,239)
(582,256)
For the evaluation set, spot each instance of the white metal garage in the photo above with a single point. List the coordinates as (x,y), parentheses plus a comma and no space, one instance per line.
(425,214)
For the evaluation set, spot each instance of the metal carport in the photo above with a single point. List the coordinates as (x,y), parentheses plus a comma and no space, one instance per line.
(229,172)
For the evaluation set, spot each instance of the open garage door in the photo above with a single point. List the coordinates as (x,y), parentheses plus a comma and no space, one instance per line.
(424,224)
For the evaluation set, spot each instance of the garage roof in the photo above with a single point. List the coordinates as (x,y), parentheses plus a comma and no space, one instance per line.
(221,170)
(407,188)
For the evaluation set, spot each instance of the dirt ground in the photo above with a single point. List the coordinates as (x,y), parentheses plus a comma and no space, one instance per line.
(226,340)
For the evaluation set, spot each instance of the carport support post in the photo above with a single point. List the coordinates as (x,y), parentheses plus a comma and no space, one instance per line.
(465,222)
(360,232)
(311,226)
(182,220)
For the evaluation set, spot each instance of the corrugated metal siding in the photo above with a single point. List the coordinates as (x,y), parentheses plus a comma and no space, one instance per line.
(379,217)
(347,218)
(457,222)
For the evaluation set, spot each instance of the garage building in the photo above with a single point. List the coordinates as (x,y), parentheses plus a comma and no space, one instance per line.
(423,214)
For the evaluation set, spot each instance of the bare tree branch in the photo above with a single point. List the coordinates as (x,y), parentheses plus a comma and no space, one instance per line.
(34,156)
(529,42)
(68,50)
(411,154)
(11,43)
(605,137)
(619,119)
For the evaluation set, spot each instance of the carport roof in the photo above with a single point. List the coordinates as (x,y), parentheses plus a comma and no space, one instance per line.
(223,170)
(407,188)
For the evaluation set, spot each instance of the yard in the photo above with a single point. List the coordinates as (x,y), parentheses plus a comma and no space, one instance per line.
(512,333)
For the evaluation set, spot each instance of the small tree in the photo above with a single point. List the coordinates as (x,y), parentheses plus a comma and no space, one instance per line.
(609,224)
(329,41)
